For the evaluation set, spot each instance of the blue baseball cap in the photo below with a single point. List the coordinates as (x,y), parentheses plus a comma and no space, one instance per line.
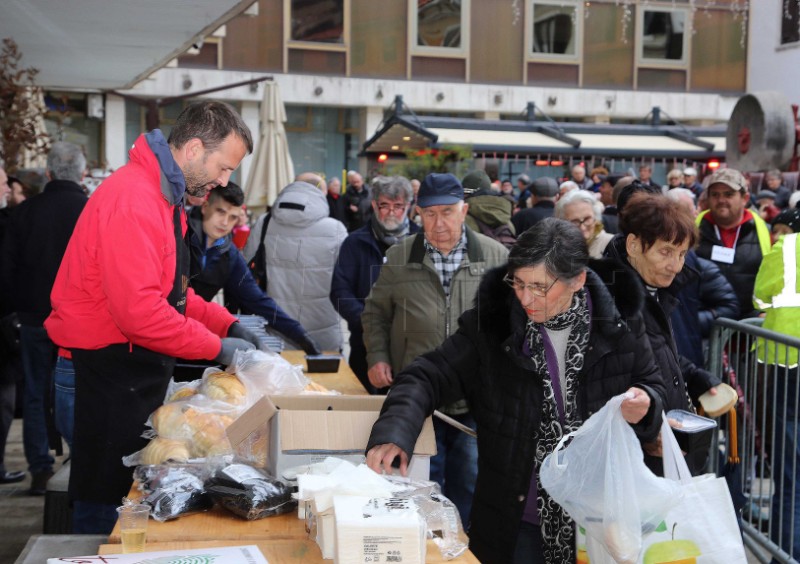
(440,189)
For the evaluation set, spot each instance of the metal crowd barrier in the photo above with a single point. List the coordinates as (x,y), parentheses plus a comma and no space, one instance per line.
(767,416)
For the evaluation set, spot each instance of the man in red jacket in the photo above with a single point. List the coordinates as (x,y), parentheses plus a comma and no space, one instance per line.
(121,303)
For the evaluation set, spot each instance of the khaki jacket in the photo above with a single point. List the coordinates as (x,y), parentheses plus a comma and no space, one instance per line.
(407,313)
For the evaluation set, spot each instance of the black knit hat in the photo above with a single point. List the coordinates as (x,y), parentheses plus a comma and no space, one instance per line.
(790,218)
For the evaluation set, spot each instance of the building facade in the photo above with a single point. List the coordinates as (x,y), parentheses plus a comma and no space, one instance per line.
(340,63)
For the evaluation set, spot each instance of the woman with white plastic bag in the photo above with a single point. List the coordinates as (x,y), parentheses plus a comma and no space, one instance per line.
(629,514)
(601,480)
(546,345)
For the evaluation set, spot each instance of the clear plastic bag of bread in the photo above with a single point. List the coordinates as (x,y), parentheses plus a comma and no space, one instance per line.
(177,391)
(186,429)
(265,373)
(160,451)
(225,386)
(598,475)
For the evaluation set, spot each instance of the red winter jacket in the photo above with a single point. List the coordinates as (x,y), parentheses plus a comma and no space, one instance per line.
(119,268)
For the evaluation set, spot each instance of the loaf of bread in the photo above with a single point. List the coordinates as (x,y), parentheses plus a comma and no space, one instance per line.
(169,421)
(225,387)
(208,433)
(182,393)
(719,403)
(161,450)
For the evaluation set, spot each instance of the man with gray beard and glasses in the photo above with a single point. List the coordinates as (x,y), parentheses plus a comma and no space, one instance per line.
(361,257)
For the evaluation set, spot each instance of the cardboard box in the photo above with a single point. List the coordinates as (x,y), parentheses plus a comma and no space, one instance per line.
(300,430)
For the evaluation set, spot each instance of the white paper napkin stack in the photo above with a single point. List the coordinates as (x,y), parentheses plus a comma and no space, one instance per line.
(378,530)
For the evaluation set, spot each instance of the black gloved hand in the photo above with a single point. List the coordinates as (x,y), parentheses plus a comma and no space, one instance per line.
(309,345)
(229,346)
(241,332)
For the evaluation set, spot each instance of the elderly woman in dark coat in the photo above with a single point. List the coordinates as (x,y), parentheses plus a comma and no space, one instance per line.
(656,235)
(546,346)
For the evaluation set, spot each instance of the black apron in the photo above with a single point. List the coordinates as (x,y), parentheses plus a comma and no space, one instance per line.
(117,388)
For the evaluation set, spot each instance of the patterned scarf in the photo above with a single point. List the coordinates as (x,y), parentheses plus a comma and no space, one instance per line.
(390,237)
(558,530)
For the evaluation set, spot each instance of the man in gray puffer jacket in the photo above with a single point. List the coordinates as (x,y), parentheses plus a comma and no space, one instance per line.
(302,246)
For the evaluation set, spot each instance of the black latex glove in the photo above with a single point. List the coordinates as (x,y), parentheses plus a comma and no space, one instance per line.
(241,332)
(229,346)
(308,344)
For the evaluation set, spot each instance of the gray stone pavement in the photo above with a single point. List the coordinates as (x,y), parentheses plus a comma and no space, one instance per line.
(20,514)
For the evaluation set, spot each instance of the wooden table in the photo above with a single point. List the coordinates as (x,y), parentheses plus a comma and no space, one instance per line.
(280,551)
(343,381)
(282,538)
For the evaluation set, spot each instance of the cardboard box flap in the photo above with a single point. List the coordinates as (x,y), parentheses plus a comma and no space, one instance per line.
(319,424)
(252,420)
(338,431)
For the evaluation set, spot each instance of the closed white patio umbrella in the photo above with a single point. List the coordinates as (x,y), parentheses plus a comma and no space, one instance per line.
(272,166)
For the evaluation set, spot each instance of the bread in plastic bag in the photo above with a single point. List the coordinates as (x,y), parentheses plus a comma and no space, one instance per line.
(248,492)
(601,480)
(224,386)
(265,373)
(181,390)
(160,451)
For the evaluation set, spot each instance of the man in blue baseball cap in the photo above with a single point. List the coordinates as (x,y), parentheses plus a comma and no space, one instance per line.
(426,282)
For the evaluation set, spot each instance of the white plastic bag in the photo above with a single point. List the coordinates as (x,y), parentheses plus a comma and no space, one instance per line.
(601,480)
(702,528)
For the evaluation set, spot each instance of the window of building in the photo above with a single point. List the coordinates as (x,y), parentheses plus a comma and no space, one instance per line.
(555,30)
(322,139)
(68,119)
(317,22)
(790,22)
(661,37)
(439,27)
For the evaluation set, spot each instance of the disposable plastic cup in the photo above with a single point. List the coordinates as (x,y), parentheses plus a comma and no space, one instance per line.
(133,526)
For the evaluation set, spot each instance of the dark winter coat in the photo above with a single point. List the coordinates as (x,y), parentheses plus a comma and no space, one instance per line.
(336,206)
(529,217)
(36,237)
(362,201)
(700,302)
(222,267)
(678,371)
(742,273)
(484,363)
(357,268)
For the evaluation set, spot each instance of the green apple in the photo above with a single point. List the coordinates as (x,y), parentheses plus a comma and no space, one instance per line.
(672,552)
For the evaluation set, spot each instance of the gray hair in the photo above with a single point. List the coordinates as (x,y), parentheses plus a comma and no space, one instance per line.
(66,161)
(569,185)
(774,173)
(675,194)
(392,187)
(576,197)
(555,243)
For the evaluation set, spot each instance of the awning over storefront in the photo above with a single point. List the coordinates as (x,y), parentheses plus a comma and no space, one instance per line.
(405,131)
(108,44)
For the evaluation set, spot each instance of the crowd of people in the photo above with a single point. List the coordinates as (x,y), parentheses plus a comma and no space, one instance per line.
(514,311)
